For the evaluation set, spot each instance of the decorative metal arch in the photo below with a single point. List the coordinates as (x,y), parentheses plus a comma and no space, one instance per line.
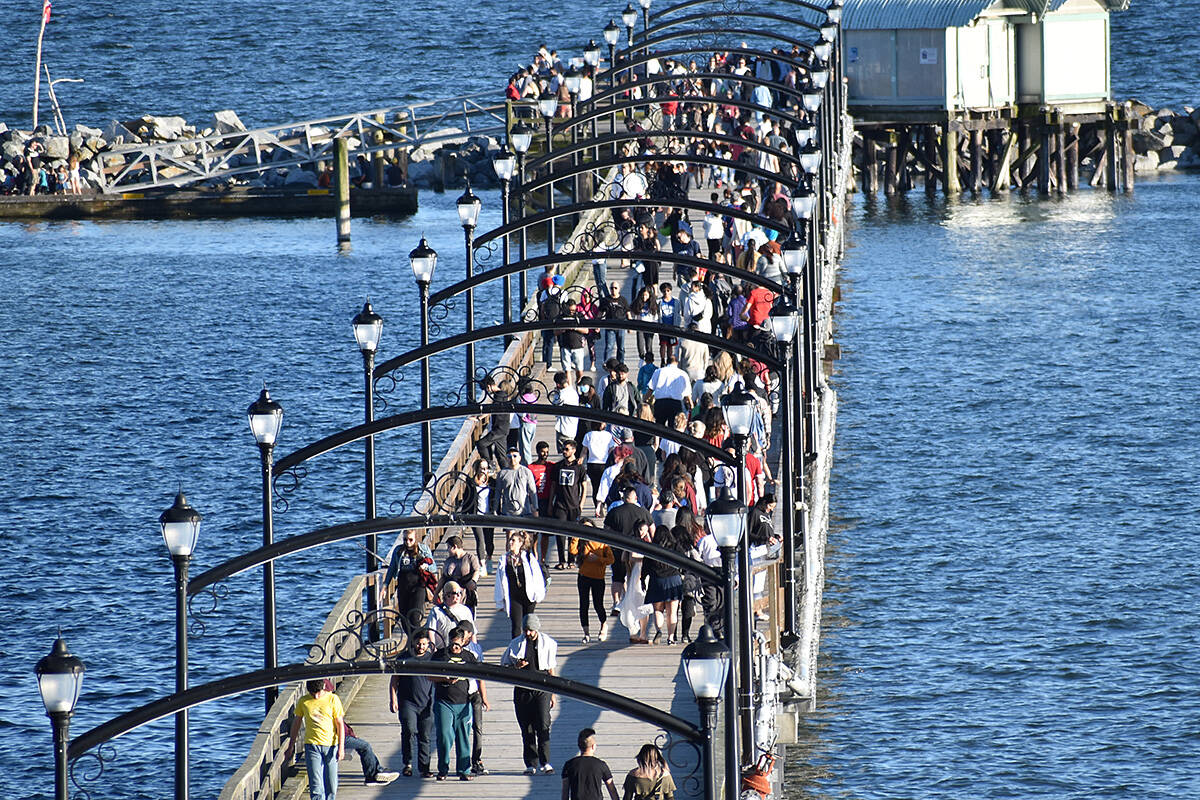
(592,166)
(495,331)
(683,133)
(383,525)
(597,113)
(709,38)
(730,6)
(264,678)
(570,255)
(349,435)
(580,208)
(754,12)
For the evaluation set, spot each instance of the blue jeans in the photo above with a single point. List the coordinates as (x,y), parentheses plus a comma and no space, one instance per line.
(528,432)
(547,347)
(614,345)
(366,756)
(321,763)
(600,273)
(453,733)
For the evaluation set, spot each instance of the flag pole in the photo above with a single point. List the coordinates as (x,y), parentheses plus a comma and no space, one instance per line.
(37,72)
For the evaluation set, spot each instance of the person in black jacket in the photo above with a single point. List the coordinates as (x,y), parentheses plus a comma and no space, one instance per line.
(412,700)
(664,584)
(761,528)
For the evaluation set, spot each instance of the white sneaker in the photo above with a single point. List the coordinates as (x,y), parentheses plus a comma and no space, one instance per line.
(603,636)
(483,569)
(547,769)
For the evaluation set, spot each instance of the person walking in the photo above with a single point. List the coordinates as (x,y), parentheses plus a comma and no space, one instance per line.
(535,652)
(520,583)
(593,559)
(462,568)
(452,709)
(650,779)
(516,488)
(321,713)
(585,777)
(479,703)
(413,569)
(412,700)
(479,497)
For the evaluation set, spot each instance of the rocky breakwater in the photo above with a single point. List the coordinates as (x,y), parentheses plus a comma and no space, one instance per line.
(453,160)
(1168,139)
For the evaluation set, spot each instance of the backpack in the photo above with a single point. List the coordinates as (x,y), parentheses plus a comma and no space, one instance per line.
(549,308)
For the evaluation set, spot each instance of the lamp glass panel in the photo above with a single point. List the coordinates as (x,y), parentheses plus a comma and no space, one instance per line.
(706,676)
(60,690)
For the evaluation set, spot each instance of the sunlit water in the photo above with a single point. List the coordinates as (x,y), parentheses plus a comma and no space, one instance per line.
(1012,572)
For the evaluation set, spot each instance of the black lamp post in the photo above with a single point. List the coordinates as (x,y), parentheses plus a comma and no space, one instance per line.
(645,4)
(423,261)
(547,106)
(804,203)
(180,525)
(520,138)
(574,80)
(706,665)
(266,417)
(725,518)
(612,35)
(60,677)
(468,214)
(739,408)
(368,326)
(629,17)
(784,320)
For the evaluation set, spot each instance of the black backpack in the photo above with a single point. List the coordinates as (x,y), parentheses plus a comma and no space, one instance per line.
(549,308)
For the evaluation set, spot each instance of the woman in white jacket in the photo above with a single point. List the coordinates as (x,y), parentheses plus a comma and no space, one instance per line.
(520,584)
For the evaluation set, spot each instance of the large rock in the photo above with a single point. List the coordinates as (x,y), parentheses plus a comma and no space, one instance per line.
(118,133)
(3,128)
(1189,160)
(421,174)
(442,137)
(1151,141)
(11,149)
(227,122)
(300,177)
(167,128)
(1182,130)
(1147,162)
(57,147)
(1172,153)
(86,132)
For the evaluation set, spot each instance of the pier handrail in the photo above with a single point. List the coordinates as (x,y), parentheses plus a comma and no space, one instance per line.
(306,141)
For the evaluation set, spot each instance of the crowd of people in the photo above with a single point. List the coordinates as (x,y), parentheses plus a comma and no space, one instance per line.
(32,172)
(635,484)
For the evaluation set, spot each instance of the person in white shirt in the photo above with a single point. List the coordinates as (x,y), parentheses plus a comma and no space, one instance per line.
(672,390)
(714,229)
(596,447)
(564,394)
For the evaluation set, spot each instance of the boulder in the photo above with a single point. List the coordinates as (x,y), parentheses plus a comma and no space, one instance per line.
(119,133)
(76,139)
(421,174)
(1172,153)
(1182,130)
(88,133)
(57,147)
(1189,160)
(11,149)
(1151,141)
(300,177)
(227,122)
(43,130)
(166,128)
(441,137)
(3,127)
(1147,162)
(95,144)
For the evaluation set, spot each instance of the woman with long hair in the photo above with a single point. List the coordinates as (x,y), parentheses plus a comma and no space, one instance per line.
(664,586)
(645,309)
(520,584)
(651,778)
(412,567)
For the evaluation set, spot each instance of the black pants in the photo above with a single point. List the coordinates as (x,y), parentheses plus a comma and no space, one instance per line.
(560,544)
(595,587)
(416,732)
(714,609)
(493,445)
(714,247)
(665,409)
(477,730)
(518,607)
(485,542)
(594,471)
(533,718)
(688,611)
(645,345)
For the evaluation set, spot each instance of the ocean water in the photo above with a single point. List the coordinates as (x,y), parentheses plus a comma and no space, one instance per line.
(1013,570)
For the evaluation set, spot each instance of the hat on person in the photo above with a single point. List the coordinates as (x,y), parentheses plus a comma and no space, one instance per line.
(559,280)
(532,623)
(586,380)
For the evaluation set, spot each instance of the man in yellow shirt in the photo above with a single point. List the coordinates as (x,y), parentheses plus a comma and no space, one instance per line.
(324,738)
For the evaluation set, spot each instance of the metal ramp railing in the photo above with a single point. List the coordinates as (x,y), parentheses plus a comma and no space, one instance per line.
(185,161)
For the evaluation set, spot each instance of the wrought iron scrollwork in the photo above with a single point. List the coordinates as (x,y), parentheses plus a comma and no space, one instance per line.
(386,385)
(285,484)
(352,643)
(204,604)
(486,253)
(89,768)
(684,758)
(440,496)
(439,313)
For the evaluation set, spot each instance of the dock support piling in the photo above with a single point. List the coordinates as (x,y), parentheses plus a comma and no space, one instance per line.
(1111,152)
(1071,156)
(1043,155)
(976,161)
(870,168)
(1127,147)
(950,182)
(890,181)
(341,180)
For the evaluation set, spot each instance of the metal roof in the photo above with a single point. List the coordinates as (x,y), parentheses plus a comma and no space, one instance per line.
(889,14)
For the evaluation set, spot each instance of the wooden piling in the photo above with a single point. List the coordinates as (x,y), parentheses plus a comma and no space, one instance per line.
(904,176)
(1005,141)
(1127,146)
(1060,164)
(377,157)
(1043,155)
(1071,156)
(1111,151)
(931,159)
(890,164)
(341,181)
(976,161)
(870,167)
(1025,139)
(950,182)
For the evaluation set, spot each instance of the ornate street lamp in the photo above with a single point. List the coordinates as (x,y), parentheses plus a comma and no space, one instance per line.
(60,677)
(834,12)
(795,256)
(629,17)
(519,138)
(645,4)
(803,203)
(810,158)
(547,106)
(828,30)
(612,35)
(266,418)
(591,54)
(180,526)
(468,206)
(423,260)
(726,520)
(822,50)
(368,327)
(784,320)
(706,665)
(811,100)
